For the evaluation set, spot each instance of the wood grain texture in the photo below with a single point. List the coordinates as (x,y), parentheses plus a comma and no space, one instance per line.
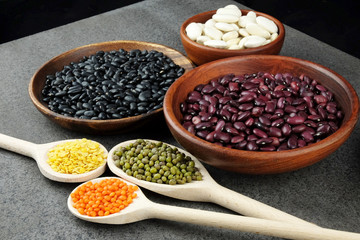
(102,127)
(261,162)
(201,54)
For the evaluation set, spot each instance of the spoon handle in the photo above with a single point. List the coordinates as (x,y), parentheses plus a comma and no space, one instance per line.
(248,206)
(17,145)
(247,224)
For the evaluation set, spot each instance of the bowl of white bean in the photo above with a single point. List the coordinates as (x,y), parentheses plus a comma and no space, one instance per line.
(230,31)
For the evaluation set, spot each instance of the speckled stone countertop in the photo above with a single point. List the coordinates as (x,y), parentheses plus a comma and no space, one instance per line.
(33,207)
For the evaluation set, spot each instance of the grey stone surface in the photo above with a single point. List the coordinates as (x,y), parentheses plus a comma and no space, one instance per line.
(33,207)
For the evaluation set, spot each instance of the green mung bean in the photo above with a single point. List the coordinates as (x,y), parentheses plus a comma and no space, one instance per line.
(156,162)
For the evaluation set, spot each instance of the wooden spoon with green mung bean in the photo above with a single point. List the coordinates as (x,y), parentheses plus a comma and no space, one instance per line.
(39,153)
(206,190)
(142,208)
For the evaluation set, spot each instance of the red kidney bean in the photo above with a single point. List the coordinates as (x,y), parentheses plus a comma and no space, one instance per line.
(307,136)
(292,142)
(286,110)
(286,129)
(222,137)
(196,120)
(296,120)
(220,125)
(310,123)
(207,89)
(251,146)
(299,128)
(320,99)
(203,125)
(202,134)
(246,98)
(252,137)
(240,126)
(264,141)
(290,109)
(236,139)
(210,136)
(233,86)
(232,130)
(249,122)
(322,112)
(309,101)
(260,133)
(264,120)
(246,106)
(278,122)
(257,111)
(281,102)
(270,106)
(275,132)
(241,145)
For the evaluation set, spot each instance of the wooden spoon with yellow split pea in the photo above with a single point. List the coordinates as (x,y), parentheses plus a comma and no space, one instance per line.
(39,153)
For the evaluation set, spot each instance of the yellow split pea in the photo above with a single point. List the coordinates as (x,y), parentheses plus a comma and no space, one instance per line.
(76,157)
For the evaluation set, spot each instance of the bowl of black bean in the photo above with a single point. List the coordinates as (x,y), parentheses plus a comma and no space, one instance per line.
(109,87)
(261,114)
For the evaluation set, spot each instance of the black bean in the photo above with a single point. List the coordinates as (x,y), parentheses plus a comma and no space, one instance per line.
(112,77)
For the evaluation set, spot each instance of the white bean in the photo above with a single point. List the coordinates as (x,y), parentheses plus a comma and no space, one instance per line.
(235,26)
(210,23)
(255,29)
(232,6)
(193,30)
(274,36)
(254,41)
(229,11)
(230,35)
(243,32)
(234,41)
(244,20)
(213,33)
(251,15)
(215,43)
(267,24)
(225,18)
(202,39)
(225,27)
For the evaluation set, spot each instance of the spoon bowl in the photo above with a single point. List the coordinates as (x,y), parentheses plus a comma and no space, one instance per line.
(142,208)
(39,153)
(206,190)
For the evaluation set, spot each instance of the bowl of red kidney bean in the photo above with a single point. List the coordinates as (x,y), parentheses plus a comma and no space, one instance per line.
(108,87)
(261,114)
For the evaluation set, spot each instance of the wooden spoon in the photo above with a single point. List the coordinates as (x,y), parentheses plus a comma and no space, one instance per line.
(39,153)
(142,208)
(206,190)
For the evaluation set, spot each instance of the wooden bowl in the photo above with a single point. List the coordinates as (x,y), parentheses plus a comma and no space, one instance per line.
(201,54)
(250,162)
(112,126)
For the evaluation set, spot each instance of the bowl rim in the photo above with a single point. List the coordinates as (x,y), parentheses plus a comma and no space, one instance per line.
(46,111)
(348,125)
(281,34)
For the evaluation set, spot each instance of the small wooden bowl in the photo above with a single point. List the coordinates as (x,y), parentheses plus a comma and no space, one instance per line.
(112,126)
(201,54)
(250,162)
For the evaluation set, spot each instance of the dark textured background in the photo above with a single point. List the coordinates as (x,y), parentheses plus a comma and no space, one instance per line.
(335,22)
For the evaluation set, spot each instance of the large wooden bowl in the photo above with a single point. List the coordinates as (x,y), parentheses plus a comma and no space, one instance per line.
(112,126)
(201,54)
(250,162)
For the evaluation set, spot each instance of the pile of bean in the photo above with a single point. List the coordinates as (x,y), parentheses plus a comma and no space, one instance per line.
(103,198)
(261,111)
(76,157)
(111,85)
(156,162)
